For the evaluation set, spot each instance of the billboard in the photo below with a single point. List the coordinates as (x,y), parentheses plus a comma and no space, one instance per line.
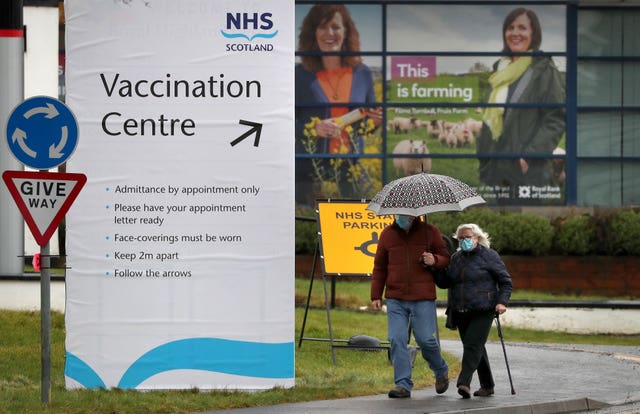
(180,247)
(473,91)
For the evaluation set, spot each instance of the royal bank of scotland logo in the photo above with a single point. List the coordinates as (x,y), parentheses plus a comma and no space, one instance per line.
(245,30)
(524,191)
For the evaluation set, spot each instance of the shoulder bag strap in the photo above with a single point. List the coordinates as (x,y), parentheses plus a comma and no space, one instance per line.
(523,82)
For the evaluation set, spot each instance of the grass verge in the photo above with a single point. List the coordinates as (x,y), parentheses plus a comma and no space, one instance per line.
(356,373)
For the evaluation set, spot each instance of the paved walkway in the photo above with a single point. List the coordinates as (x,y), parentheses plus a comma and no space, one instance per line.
(547,378)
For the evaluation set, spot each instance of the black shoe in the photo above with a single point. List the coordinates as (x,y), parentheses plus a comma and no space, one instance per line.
(442,384)
(399,392)
(464,391)
(483,392)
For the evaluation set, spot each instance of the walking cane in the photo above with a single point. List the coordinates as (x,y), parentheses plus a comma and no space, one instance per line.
(504,351)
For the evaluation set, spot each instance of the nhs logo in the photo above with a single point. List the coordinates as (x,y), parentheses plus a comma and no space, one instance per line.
(246,27)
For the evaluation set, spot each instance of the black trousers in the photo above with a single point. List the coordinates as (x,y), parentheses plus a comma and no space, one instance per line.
(474,327)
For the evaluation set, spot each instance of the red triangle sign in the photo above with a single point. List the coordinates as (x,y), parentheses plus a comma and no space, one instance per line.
(43,198)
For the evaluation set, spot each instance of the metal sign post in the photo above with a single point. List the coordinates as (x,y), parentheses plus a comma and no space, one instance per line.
(45,324)
(44,198)
(42,133)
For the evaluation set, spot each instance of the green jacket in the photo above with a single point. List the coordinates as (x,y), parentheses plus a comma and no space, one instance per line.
(527,130)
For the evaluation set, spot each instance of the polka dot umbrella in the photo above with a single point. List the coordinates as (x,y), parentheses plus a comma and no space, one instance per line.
(424,193)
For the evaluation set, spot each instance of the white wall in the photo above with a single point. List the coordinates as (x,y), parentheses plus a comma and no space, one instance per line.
(585,321)
(41,78)
(25,296)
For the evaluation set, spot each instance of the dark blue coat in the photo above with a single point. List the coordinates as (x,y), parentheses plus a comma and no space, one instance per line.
(478,280)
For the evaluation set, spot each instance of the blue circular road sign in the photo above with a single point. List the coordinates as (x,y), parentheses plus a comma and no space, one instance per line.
(42,132)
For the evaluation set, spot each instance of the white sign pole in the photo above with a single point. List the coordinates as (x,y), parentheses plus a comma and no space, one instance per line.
(12,87)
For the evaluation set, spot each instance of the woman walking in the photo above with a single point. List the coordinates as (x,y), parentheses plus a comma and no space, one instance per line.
(480,287)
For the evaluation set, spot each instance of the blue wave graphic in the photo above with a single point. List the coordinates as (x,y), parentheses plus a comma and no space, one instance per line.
(244,36)
(251,359)
(79,371)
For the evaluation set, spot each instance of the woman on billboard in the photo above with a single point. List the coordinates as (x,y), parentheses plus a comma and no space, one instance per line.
(323,78)
(521,130)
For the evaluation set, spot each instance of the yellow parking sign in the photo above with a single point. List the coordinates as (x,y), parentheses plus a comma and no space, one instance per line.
(349,236)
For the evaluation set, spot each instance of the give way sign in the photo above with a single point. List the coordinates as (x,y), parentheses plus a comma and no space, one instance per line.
(43,198)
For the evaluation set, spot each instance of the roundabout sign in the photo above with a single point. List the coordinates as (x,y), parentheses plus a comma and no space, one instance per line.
(42,132)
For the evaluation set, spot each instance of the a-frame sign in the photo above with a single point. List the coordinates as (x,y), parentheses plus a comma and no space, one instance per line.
(43,198)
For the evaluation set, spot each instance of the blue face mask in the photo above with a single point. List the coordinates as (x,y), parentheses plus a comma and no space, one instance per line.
(466,244)
(403,221)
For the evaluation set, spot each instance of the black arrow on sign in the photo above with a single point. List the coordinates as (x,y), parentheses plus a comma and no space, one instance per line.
(255,127)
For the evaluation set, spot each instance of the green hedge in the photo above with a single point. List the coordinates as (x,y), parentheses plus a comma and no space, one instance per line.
(575,235)
(625,233)
(509,233)
(306,236)
(614,233)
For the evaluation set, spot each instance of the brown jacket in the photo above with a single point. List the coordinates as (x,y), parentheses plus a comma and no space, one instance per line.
(397,266)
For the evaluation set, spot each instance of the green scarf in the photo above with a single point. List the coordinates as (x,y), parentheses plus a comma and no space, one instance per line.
(500,81)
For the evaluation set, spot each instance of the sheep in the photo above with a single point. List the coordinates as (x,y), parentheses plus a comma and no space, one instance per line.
(435,127)
(473,125)
(422,124)
(408,166)
(441,129)
(469,138)
(442,136)
(451,138)
(400,124)
(448,125)
(464,136)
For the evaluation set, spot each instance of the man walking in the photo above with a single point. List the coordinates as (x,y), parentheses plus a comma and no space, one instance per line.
(406,251)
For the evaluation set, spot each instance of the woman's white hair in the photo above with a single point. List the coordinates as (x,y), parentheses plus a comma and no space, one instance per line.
(483,237)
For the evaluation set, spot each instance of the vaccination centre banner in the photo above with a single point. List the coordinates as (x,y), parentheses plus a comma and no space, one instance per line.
(180,246)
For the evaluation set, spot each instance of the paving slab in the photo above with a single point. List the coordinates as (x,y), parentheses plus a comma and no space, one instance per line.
(547,379)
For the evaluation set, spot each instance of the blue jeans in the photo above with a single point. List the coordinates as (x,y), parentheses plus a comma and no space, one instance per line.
(422,315)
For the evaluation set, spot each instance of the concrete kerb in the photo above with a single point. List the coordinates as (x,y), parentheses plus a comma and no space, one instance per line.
(429,405)
(553,407)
